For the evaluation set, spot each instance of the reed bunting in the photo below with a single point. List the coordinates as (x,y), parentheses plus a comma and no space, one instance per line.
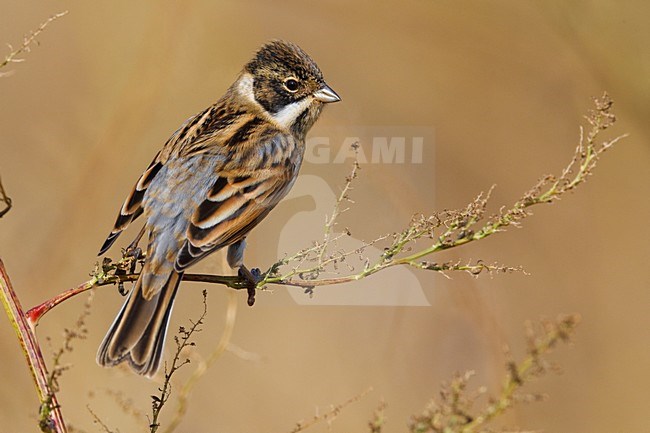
(214,180)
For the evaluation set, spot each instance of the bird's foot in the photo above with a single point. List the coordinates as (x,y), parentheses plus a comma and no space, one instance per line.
(134,253)
(251,278)
(127,264)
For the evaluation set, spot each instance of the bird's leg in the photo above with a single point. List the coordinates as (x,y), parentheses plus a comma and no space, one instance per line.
(130,257)
(133,250)
(252,277)
(235,259)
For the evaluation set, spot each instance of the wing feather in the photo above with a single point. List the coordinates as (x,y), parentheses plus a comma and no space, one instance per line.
(132,207)
(231,209)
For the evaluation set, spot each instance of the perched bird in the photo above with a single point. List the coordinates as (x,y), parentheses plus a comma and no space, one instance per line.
(214,180)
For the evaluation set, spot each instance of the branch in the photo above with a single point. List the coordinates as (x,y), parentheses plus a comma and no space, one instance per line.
(108,274)
(50,417)
(444,230)
(452,229)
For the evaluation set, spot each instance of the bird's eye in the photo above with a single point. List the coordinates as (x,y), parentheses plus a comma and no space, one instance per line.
(291,84)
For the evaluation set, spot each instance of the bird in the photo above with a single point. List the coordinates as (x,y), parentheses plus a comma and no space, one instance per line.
(212,182)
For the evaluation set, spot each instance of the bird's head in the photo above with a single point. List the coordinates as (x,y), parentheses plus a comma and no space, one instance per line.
(287,84)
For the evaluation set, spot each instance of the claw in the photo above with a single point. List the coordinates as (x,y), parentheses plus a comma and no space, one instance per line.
(251,296)
(251,278)
(257,274)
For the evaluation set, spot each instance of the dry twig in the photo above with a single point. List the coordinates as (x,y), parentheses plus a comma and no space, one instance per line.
(453,412)
(204,365)
(26,46)
(451,229)
(97,420)
(378,420)
(330,415)
(183,340)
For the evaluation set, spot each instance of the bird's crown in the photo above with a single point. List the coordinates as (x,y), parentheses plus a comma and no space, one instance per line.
(282,57)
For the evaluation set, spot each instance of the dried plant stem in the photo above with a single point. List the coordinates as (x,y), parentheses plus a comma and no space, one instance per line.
(331,414)
(12,57)
(343,196)
(183,340)
(50,417)
(453,410)
(376,423)
(204,365)
(97,420)
(520,374)
(451,229)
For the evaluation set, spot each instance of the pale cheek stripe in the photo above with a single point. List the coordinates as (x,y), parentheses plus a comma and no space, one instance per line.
(283,118)
(290,113)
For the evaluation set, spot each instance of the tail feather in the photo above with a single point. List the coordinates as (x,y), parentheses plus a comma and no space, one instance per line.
(138,333)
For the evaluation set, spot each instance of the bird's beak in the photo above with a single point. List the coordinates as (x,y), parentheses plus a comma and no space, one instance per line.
(326,94)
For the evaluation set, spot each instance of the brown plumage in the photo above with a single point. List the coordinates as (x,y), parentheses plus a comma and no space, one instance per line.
(214,180)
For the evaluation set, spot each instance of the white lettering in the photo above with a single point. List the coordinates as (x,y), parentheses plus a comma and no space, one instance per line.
(388,150)
(347,151)
(317,150)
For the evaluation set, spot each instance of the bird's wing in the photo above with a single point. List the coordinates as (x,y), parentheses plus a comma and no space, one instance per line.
(219,130)
(132,207)
(207,126)
(233,206)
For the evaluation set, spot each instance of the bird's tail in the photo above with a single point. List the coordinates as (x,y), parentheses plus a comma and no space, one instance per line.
(138,333)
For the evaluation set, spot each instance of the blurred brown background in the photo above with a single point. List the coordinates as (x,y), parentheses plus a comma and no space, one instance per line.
(504,86)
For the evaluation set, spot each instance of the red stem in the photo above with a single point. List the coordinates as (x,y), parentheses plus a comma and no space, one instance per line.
(32,351)
(34,314)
